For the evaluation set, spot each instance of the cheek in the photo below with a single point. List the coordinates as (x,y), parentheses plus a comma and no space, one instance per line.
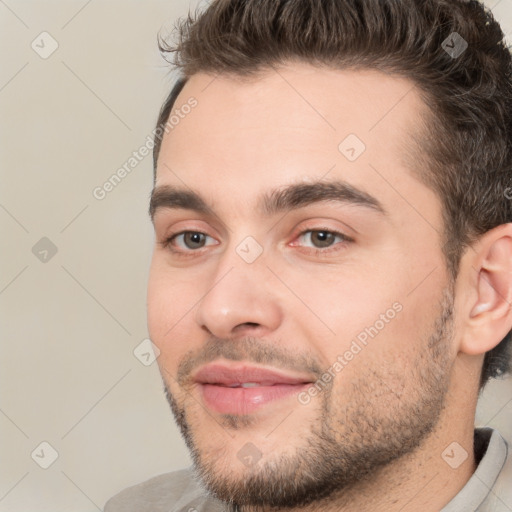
(335,305)
(170,310)
(366,311)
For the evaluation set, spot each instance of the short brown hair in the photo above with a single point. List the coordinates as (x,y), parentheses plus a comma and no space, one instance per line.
(466,150)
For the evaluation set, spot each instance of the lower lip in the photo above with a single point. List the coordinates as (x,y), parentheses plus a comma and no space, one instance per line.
(241,401)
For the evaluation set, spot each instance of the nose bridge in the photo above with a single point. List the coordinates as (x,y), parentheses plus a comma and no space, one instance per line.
(238,293)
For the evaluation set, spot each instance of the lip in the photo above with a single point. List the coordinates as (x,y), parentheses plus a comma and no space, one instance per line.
(218,383)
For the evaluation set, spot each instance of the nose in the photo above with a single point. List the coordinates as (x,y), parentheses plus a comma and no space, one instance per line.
(239,301)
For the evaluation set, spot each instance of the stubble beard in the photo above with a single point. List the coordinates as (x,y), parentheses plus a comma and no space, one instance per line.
(347,442)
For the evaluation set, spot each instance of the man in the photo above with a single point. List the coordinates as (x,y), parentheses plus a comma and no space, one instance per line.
(331,283)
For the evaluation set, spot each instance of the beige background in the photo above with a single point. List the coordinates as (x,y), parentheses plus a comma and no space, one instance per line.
(70,324)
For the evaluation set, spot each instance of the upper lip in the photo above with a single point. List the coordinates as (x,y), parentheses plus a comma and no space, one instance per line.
(231,375)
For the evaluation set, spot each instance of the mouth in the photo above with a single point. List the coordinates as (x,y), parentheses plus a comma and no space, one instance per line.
(242,389)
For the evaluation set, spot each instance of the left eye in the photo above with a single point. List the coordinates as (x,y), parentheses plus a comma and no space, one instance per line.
(321,239)
(190,240)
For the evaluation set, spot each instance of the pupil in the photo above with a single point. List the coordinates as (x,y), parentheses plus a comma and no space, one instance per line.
(322,238)
(194,239)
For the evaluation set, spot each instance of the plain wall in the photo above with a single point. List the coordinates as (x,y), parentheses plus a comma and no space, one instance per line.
(71,320)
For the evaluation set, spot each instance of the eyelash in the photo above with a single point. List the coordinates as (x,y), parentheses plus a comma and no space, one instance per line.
(334,248)
(167,243)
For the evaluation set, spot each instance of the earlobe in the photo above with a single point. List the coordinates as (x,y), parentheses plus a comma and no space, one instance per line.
(489,319)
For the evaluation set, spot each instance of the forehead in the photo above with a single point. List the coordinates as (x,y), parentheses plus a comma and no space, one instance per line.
(293,124)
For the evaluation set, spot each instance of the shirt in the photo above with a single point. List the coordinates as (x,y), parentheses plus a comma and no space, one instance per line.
(488,490)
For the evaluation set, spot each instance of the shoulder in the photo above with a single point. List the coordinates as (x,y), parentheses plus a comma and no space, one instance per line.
(177,491)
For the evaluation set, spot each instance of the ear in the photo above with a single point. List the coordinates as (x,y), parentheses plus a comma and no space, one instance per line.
(488,314)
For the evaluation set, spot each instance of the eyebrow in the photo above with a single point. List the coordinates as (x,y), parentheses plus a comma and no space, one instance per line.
(290,197)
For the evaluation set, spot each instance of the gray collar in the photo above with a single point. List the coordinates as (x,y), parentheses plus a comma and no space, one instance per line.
(478,488)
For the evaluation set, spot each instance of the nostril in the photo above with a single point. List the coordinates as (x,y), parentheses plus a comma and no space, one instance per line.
(246,325)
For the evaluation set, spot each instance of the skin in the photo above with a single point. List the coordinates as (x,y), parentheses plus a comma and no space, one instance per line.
(306,305)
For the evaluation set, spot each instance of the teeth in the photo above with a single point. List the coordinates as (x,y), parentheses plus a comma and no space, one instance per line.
(244,385)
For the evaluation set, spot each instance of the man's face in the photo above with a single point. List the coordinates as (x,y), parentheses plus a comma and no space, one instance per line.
(302,307)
